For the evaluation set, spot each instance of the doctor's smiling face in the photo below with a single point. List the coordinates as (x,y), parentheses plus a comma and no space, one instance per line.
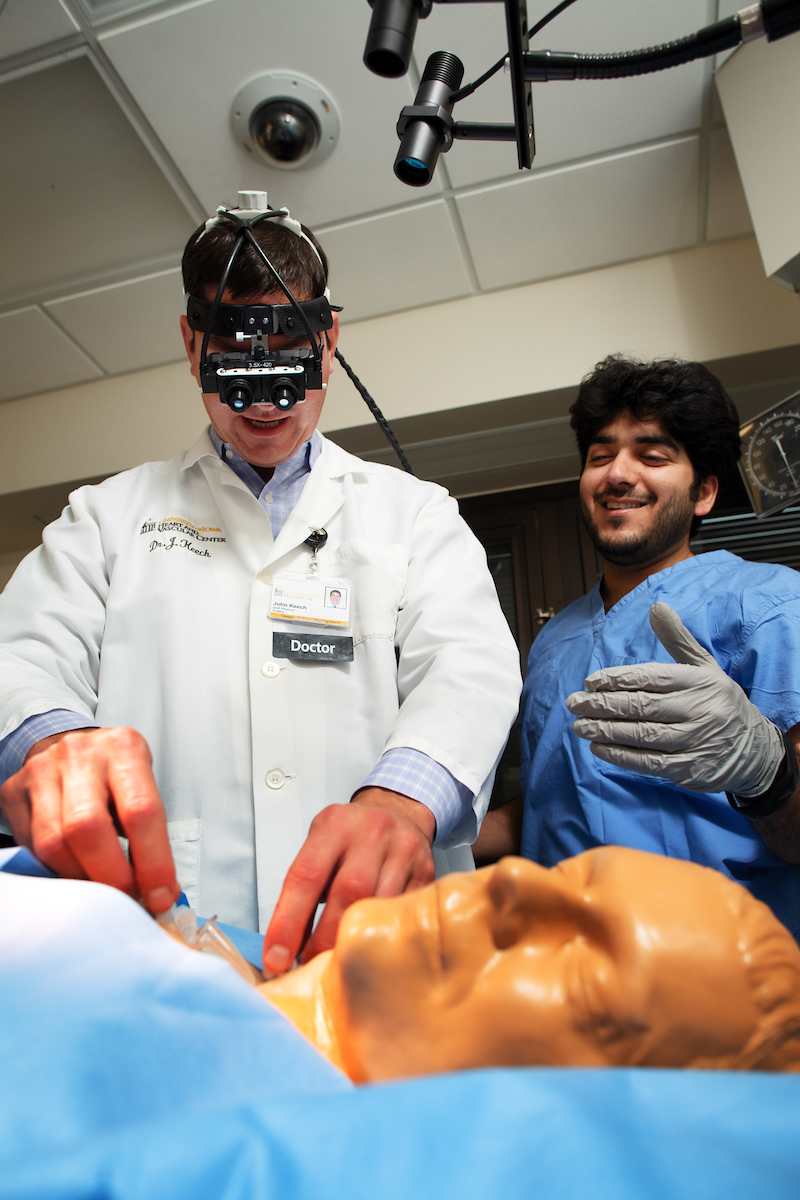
(601,960)
(263,436)
(638,493)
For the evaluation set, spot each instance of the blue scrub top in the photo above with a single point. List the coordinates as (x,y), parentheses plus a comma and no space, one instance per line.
(748,616)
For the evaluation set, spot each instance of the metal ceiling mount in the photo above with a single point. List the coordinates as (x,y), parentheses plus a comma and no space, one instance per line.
(286,120)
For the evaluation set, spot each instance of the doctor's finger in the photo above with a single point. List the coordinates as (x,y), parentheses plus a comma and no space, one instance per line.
(645,677)
(356,879)
(133,789)
(408,862)
(32,807)
(647,734)
(88,826)
(306,881)
(399,873)
(16,810)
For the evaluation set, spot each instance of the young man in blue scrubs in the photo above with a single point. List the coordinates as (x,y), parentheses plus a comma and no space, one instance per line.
(684,752)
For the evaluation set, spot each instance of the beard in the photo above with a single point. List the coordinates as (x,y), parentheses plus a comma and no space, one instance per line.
(668,529)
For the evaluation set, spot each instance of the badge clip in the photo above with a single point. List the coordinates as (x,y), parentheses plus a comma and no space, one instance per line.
(316,540)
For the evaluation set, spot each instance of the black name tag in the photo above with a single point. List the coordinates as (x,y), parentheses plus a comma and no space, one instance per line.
(312,647)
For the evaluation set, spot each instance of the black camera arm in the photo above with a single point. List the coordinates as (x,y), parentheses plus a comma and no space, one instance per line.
(390,42)
(772,19)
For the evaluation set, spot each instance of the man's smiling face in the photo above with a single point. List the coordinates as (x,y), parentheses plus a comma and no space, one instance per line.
(638,493)
(262,435)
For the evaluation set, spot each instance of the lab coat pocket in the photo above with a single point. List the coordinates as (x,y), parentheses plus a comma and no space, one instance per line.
(184,841)
(378,575)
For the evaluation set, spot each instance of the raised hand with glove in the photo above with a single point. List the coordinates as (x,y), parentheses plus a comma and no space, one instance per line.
(685,721)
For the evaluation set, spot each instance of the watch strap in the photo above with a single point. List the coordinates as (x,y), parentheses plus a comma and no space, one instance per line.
(779,792)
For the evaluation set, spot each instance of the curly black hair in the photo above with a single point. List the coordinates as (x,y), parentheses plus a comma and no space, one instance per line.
(689,403)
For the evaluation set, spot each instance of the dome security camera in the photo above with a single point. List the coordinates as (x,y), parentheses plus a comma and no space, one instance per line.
(286,120)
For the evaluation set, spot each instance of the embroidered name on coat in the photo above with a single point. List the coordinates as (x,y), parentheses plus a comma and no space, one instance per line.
(179,534)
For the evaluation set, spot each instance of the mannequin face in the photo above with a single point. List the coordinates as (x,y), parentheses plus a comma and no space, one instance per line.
(602,960)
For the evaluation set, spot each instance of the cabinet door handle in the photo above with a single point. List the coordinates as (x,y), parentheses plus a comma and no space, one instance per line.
(544,614)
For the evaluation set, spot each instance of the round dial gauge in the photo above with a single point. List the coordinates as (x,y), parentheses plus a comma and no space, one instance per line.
(773,455)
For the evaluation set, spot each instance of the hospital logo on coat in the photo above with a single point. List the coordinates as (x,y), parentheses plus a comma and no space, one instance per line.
(179,534)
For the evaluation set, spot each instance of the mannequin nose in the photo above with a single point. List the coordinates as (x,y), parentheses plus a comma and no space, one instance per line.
(526,897)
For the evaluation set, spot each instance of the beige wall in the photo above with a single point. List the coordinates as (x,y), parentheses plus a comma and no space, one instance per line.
(708,303)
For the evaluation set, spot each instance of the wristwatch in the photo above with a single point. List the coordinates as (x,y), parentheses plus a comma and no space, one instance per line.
(779,792)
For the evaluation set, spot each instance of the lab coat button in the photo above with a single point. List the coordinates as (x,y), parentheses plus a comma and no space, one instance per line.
(265,576)
(275,778)
(270,670)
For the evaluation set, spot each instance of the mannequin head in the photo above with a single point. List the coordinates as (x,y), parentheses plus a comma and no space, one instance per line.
(614,957)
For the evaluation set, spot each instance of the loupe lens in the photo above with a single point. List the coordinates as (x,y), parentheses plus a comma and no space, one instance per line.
(283,395)
(238,395)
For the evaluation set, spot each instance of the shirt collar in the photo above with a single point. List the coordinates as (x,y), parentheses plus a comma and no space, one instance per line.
(300,463)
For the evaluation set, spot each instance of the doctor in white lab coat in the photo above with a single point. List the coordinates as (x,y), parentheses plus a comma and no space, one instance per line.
(145,613)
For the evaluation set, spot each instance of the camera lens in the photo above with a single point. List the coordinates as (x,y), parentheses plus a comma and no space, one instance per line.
(286,131)
(423,139)
(418,154)
(391,37)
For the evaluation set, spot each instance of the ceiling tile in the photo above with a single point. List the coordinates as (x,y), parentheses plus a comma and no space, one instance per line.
(572,120)
(78,192)
(127,326)
(185,69)
(399,260)
(37,356)
(728,214)
(108,10)
(25,24)
(630,206)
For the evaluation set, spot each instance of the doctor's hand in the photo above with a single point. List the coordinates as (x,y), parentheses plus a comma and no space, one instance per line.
(688,722)
(378,845)
(60,806)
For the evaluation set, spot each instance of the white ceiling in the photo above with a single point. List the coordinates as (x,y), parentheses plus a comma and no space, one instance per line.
(115,139)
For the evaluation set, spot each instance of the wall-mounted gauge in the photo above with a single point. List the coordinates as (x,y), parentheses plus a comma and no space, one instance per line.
(770,462)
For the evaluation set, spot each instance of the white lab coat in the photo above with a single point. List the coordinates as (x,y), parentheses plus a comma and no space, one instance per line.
(147,606)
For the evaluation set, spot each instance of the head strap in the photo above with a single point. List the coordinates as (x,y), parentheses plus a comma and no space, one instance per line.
(250,217)
(267,319)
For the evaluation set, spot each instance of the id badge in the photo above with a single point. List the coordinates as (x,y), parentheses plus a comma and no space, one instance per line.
(320,599)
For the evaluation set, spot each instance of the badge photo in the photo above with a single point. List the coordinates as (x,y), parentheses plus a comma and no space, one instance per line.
(318,599)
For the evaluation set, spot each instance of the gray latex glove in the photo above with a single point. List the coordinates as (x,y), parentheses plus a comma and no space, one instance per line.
(688,722)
